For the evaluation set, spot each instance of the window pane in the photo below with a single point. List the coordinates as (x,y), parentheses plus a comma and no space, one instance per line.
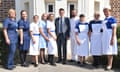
(50,8)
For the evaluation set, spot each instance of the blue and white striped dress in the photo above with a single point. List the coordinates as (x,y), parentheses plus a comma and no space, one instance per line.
(43,42)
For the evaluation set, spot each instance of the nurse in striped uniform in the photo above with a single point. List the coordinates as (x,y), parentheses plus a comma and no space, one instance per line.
(43,37)
(109,40)
(95,30)
(82,39)
(34,42)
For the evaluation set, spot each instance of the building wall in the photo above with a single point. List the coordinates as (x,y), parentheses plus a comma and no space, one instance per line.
(115,5)
(27,5)
(34,7)
(5,5)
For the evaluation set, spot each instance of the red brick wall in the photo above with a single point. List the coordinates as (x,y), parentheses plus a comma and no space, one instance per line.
(4,6)
(115,5)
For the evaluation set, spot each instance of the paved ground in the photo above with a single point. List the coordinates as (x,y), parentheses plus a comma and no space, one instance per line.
(70,67)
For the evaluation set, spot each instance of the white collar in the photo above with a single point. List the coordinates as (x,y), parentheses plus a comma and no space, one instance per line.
(108,17)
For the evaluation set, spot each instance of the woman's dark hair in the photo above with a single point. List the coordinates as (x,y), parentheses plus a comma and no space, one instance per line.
(35,16)
(61,9)
(49,16)
(23,11)
(82,15)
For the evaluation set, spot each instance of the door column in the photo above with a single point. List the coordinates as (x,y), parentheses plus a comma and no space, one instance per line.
(86,7)
(60,4)
(39,7)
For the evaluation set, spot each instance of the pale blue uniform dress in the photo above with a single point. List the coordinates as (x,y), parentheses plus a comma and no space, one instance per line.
(43,42)
(83,48)
(108,24)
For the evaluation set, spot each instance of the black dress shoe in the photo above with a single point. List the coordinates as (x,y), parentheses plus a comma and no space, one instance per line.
(95,65)
(35,65)
(64,62)
(9,68)
(43,63)
(53,64)
(32,63)
(59,61)
(82,65)
(71,60)
(78,62)
(25,64)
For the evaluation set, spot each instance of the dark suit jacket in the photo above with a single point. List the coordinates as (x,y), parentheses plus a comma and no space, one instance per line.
(57,24)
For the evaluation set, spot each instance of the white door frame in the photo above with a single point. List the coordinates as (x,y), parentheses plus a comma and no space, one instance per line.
(75,5)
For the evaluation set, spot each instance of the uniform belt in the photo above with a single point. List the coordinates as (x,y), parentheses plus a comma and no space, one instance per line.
(52,31)
(36,34)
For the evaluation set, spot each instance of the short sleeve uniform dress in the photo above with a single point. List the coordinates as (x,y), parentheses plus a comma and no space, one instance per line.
(108,24)
(96,37)
(34,48)
(25,25)
(43,42)
(82,29)
(11,26)
(52,45)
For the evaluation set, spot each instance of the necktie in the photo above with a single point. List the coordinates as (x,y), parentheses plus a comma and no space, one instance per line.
(61,25)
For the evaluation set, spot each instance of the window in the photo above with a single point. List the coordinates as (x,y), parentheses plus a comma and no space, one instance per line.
(71,6)
(50,7)
(97,6)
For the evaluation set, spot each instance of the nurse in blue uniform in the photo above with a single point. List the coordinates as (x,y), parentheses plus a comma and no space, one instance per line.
(82,40)
(24,26)
(109,40)
(11,36)
(95,31)
(43,37)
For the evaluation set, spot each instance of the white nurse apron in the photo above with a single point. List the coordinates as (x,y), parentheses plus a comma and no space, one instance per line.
(34,48)
(96,40)
(83,48)
(52,45)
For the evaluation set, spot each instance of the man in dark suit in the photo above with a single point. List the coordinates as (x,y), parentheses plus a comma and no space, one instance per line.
(62,25)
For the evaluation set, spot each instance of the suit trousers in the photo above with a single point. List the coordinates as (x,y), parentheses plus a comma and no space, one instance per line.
(62,47)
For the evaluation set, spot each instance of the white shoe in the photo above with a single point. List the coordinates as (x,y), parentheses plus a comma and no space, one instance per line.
(108,67)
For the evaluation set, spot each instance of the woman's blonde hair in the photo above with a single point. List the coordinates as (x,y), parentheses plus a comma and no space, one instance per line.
(11,10)
(107,9)
(43,15)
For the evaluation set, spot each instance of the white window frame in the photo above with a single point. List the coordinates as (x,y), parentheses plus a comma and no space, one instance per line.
(48,7)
